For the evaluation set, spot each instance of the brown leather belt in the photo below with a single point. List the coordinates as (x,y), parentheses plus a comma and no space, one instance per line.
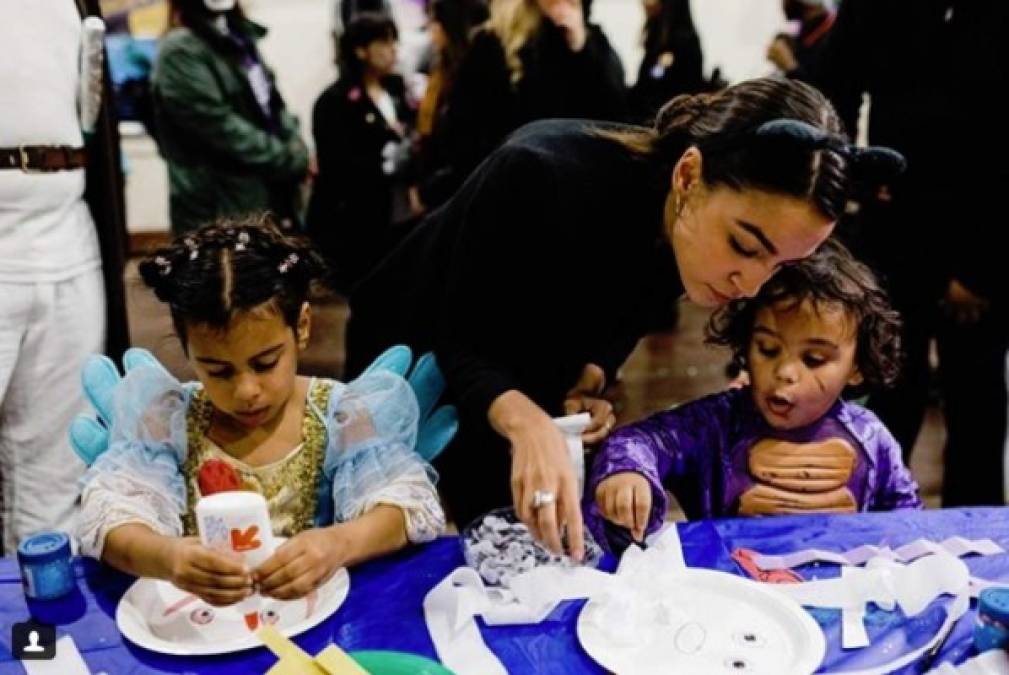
(42,158)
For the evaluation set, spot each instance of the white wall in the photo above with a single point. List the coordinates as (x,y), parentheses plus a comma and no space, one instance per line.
(735,35)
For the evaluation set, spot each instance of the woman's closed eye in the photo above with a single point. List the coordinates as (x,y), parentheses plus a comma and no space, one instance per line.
(769,351)
(738,247)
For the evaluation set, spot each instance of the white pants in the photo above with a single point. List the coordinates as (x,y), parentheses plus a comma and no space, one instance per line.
(46,331)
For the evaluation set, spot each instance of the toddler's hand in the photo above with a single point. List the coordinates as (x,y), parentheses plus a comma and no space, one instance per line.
(304,562)
(626,499)
(215,577)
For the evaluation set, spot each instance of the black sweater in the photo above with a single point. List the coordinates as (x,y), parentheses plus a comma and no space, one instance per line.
(933,69)
(354,202)
(552,255)
(484,106)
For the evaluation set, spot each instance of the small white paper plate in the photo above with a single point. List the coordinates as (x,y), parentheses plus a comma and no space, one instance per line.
(701,622)
(156,615)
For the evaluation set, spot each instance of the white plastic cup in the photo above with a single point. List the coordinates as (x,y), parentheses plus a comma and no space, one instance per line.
(237,521)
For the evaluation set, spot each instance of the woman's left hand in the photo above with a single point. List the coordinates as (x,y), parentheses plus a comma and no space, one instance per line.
(586,396)
(304,562)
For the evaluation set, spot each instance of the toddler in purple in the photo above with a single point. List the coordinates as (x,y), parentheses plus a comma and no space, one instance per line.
(787,442)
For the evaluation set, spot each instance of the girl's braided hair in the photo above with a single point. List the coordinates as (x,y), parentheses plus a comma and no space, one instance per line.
(234,265)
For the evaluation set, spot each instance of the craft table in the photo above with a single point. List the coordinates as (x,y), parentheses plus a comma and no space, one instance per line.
(383,610)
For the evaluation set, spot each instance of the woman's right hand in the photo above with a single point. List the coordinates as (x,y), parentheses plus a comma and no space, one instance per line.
(540,464)
(216,578)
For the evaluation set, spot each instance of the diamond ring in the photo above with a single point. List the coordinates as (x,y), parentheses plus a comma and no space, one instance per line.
(543,498)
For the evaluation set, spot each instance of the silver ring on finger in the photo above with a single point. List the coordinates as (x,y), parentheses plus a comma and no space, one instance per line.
(543,498)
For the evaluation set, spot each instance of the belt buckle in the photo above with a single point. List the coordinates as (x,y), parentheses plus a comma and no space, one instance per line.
(23,153)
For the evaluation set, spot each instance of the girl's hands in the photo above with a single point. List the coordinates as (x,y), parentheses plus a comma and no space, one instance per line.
(305,561)
(217,578)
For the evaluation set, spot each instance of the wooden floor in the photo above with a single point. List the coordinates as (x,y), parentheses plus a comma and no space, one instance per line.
(666,368)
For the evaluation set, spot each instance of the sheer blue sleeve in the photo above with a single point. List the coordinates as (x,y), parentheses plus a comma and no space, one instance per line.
(138,479)
(371,459)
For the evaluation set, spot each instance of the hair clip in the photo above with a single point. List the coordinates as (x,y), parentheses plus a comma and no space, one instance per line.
(164,265)
(243,239)
(875,163)
(287,263)
(795,130)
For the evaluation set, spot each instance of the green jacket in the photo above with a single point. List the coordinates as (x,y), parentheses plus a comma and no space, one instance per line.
(225,156)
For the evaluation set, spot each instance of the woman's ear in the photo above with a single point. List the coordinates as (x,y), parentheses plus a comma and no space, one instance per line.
(304,326)
(687,172)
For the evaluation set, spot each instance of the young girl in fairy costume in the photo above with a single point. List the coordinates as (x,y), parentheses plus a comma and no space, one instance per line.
(335,462)
(788,443)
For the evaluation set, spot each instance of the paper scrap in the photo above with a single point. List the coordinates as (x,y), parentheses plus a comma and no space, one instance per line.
(295,661)
(955,546)
(853,632)
(335,661)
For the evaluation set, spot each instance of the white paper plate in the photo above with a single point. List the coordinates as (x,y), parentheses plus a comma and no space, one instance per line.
(156,615)
(701,623)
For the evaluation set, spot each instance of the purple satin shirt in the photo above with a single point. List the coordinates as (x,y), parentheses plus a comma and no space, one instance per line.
(699,451)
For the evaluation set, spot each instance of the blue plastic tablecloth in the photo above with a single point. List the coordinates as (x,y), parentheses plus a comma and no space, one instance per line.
(384,608)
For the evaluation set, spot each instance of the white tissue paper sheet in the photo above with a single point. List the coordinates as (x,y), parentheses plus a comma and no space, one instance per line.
(652,609)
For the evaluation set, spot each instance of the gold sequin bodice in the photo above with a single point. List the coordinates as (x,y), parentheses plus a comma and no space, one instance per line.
(289,484)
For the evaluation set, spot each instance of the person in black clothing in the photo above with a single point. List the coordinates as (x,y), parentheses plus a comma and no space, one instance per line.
(794,56)
(361,125)
(533,59)
(673,63)
(933,235)
(451,26)
(535,281)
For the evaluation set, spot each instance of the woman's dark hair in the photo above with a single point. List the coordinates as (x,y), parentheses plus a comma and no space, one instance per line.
(210,275)
(831,277)
(458,19)
(363,29)
(722,126)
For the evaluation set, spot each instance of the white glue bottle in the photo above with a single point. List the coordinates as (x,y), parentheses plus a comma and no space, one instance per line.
(238,521)
(572,427)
